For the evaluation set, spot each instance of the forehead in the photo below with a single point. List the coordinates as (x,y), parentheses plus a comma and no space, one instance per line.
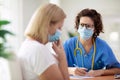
(86,20)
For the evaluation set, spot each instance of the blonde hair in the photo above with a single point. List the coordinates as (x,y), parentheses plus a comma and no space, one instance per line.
(40,21)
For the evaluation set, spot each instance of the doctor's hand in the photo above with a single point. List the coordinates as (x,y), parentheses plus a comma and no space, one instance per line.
(59,50)
(95,73)
(80,71)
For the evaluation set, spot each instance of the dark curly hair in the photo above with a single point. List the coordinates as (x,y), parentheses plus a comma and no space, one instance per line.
(95,16)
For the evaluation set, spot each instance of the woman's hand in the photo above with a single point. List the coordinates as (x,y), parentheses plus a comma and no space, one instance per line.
(60,55)
(95,73)
(59,50)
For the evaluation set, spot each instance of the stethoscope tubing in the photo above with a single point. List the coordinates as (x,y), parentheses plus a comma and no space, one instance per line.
(79,49)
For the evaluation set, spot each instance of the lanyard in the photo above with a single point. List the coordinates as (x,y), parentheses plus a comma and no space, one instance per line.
(93,56)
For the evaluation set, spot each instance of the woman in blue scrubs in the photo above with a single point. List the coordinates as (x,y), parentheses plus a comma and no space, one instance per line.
(87,54)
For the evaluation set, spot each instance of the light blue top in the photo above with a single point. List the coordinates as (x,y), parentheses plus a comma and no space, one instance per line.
(104,57)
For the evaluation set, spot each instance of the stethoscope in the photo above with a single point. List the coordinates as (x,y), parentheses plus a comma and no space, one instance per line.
(79,49)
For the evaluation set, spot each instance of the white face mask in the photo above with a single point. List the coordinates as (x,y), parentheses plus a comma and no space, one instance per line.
(85,34)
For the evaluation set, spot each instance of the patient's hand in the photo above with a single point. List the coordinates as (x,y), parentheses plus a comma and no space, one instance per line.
(59,50)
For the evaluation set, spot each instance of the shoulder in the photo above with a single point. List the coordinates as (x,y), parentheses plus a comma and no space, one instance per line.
(31,48)
(102,44)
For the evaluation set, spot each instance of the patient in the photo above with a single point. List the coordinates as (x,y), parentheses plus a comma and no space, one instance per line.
(36,60)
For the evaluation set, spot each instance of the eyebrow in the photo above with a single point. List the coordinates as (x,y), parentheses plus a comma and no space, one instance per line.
(87,24)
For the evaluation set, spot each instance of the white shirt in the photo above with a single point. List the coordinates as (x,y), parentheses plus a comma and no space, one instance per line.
(35,58)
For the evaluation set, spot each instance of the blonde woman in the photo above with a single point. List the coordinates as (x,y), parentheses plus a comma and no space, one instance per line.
(37,62)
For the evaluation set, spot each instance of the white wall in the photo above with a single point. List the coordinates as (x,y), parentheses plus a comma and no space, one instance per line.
(18,12)
(12,10)
(29,6)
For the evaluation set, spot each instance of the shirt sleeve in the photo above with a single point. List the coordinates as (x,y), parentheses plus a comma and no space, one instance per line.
(42,59)
(109,58)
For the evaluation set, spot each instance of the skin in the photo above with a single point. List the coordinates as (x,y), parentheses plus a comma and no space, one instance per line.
(87,46)
(57,71)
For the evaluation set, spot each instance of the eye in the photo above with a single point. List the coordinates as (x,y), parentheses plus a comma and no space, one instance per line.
(87,26)
(82,24)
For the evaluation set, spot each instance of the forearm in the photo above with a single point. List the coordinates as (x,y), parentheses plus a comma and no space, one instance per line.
(63,68)
(111,71)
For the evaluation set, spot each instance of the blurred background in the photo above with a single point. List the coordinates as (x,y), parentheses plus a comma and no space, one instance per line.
(19,12)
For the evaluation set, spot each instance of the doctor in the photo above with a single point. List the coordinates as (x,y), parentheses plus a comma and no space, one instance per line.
(87,54)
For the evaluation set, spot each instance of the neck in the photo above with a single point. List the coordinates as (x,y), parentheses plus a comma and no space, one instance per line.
(88,42)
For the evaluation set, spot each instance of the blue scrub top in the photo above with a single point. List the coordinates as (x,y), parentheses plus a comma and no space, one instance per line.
(104,57)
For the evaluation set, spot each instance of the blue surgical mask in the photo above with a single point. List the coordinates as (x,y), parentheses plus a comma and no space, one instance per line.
(85,34)
(54,37)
